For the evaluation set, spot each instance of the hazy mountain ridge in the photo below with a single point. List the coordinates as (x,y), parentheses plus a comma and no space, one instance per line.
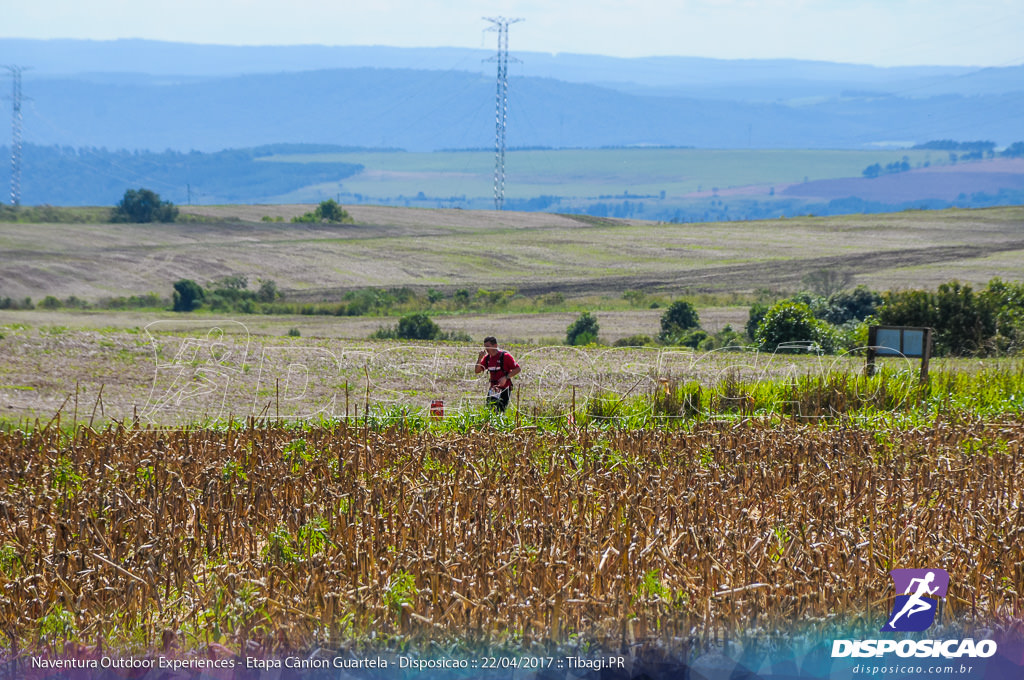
(140,94)
(743,79)
(428,110)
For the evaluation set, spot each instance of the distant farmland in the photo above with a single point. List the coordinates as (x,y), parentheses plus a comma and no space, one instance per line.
(681,184)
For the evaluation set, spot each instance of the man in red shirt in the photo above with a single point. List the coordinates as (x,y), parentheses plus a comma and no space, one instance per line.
(501,366)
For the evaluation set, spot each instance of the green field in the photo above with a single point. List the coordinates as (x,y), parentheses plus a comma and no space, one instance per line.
(585,175)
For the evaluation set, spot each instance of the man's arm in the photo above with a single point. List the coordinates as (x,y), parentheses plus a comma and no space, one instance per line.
(512,373)
(479,366)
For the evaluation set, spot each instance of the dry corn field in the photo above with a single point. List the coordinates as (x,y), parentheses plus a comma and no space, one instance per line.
(264,538)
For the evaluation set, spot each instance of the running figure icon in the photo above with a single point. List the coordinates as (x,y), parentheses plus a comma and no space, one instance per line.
(914,609)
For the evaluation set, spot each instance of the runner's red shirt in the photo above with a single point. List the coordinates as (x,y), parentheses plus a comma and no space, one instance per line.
(498,365)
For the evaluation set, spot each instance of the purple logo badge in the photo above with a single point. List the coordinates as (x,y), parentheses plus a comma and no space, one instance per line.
(917,598)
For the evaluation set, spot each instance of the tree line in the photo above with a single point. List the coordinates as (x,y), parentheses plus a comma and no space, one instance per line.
(97,176)
(834,319)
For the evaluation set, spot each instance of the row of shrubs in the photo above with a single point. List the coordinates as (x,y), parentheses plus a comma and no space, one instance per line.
(145,301)
(141,206)
(233,294)
(965,322)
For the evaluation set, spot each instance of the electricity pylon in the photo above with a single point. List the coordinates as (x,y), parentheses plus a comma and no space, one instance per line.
(16,134)
(501,25)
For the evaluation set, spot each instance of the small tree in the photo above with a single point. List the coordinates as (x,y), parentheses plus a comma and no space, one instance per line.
(417,326)
(678,319)
(143,205)
(328,211)
(582,331)
(754,318)
(188,295)
(1015,150)
(268,291)
(793,322)
(853,305)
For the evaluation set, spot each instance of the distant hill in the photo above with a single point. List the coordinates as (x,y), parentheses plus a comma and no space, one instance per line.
(66,176)
(137,94)
(738,80)
(943,183)
(430,110)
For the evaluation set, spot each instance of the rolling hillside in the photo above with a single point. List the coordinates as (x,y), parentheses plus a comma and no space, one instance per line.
(538,254)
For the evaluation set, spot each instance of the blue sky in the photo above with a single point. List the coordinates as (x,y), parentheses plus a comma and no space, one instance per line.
(880,32)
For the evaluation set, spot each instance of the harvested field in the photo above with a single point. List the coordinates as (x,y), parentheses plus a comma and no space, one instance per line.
(533,253)
(944,182)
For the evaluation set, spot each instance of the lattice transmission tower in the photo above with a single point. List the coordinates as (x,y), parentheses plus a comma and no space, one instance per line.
(500,24)
(16,134)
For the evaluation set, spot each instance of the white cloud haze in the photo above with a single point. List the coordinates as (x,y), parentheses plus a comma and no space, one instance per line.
(881,32)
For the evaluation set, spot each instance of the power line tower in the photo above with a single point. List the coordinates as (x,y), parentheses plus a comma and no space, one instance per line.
(500,24)
(15,72)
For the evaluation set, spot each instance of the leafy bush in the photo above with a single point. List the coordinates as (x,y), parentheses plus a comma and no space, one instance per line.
(143,205)
(582,331)
(791,322)
(268,291)
(1007,300)
(726,337)
(636,298)
(49,214)
(754,317)
(634,341)
(231,292)
(328,211)
(418,326)
(188,295)
(123,302)
(964,323)
(854,305)
(816,303)
(680,317)
(694,337)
